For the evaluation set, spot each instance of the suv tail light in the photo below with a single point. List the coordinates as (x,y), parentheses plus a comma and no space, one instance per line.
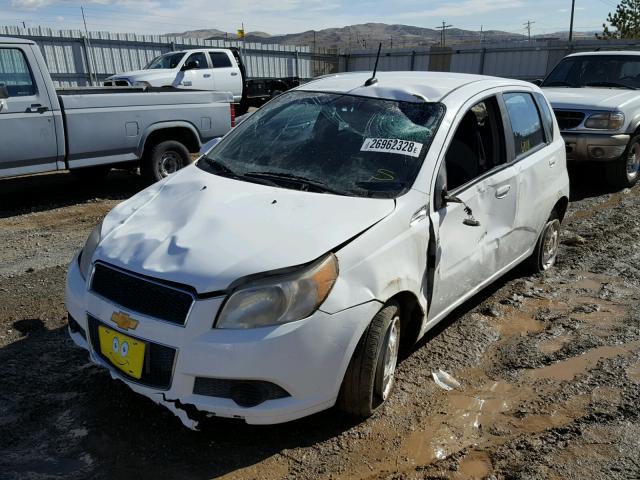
(232,109)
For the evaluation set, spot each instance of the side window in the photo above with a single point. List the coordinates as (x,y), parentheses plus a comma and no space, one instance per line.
(547,116)
(525,122)
(478,144)
(197,61)
(15,73)
(220,60)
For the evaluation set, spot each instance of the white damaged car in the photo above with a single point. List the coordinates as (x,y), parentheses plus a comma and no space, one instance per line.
(279,274)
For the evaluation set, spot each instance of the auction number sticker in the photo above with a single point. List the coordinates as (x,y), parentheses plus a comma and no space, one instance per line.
(391,145)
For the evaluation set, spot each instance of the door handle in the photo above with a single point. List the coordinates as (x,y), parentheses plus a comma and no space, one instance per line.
(206,75)
(37,108)
(503,191)
(233,74)
(552,161)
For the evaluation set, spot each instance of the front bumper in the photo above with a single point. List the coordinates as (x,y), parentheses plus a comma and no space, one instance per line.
(594,147)
(306,358)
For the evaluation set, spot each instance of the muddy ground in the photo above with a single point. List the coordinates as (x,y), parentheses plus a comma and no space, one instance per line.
(549,368)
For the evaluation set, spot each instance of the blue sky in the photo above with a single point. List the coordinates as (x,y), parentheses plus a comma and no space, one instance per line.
(290,16)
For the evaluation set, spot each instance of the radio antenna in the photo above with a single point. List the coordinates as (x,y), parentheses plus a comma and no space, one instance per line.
(373,80)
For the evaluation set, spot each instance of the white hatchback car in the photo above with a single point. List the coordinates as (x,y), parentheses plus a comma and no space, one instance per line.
(278,275)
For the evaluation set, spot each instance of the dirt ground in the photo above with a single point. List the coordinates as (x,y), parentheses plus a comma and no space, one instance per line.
(549,368)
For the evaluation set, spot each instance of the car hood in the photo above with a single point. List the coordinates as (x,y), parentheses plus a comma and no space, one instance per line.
(590,98)
(137,74)
(207,231)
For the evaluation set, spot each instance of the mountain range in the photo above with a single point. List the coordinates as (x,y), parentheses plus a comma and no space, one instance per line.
(368,35)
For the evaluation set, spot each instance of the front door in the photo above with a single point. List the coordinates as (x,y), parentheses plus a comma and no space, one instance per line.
(197,73)
(27,130)
(473,229)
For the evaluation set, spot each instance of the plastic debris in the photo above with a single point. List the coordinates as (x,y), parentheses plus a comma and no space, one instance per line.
(444,380)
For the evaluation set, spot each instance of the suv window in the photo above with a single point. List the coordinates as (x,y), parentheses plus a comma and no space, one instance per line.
(220,60)
(199,59)
(477,146)
(525,122)
(15,73)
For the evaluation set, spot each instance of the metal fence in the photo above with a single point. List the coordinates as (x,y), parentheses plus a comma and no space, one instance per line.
(75,60)
(526,61)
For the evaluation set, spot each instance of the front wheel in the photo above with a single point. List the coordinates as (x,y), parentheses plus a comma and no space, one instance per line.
(370,376)
(164,159)
(623,173)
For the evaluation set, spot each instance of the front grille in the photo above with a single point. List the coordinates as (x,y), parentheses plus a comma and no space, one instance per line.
(568,119)
(158,360)
(246,393)
(141,295)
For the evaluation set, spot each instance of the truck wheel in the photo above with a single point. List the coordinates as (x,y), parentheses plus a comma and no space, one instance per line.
(91,174)
(370,376)
(623,173)
(164,159)
(546,251)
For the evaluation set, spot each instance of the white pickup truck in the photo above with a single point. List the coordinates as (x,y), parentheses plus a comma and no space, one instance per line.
(596,100)
(89,130)
(217,69)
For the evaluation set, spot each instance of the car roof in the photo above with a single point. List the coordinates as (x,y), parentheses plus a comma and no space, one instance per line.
(605,52)
(405,86)
(16,40)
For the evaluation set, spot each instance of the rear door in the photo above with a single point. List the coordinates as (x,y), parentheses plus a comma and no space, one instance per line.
(198,74)
(226,73)
(473,246)
(532,127)
(27,130)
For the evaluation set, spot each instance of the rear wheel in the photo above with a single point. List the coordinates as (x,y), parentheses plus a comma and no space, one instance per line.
(370,376)
(164,159)
(546,251)
(623,173)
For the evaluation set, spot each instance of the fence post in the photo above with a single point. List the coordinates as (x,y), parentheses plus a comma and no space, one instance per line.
(413,60)
(483,54)
(297,65)
(85,49)
(173,46)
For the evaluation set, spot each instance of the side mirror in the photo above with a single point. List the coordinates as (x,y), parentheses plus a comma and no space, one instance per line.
(537,81)
(470,220)
(189,66)
(4,92)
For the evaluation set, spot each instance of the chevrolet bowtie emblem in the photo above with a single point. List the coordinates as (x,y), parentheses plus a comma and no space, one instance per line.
(124,321)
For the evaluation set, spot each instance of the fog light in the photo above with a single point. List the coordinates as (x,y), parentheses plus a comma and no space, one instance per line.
(597,152)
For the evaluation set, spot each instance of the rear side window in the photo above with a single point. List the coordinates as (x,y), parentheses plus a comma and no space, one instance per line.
(525,122)
(220,59)
(547,116)
(15,73)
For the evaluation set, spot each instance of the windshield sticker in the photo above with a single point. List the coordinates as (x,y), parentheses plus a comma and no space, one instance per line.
(391,145)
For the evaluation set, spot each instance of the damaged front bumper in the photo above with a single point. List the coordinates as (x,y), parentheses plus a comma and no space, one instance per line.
(594,147)
(262,376)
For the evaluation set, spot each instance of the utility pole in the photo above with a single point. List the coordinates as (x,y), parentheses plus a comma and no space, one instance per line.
(90,58)
(573,9)
(481,33)
(443,34)
(528,27)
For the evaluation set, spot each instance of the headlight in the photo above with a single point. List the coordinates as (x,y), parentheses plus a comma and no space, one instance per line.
(141,84)
(605,121)
(86,254)
(280,299)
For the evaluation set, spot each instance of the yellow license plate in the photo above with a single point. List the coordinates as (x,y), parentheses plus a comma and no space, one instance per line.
(123,352)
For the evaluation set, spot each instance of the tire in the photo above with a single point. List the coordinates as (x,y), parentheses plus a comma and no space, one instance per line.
(624,172)
(164,159)
(364,388)
(91,174)
(275,92)
(546,252)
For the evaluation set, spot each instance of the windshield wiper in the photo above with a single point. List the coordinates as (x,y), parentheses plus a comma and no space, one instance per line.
(609,84)
(305,183)
(218,168)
